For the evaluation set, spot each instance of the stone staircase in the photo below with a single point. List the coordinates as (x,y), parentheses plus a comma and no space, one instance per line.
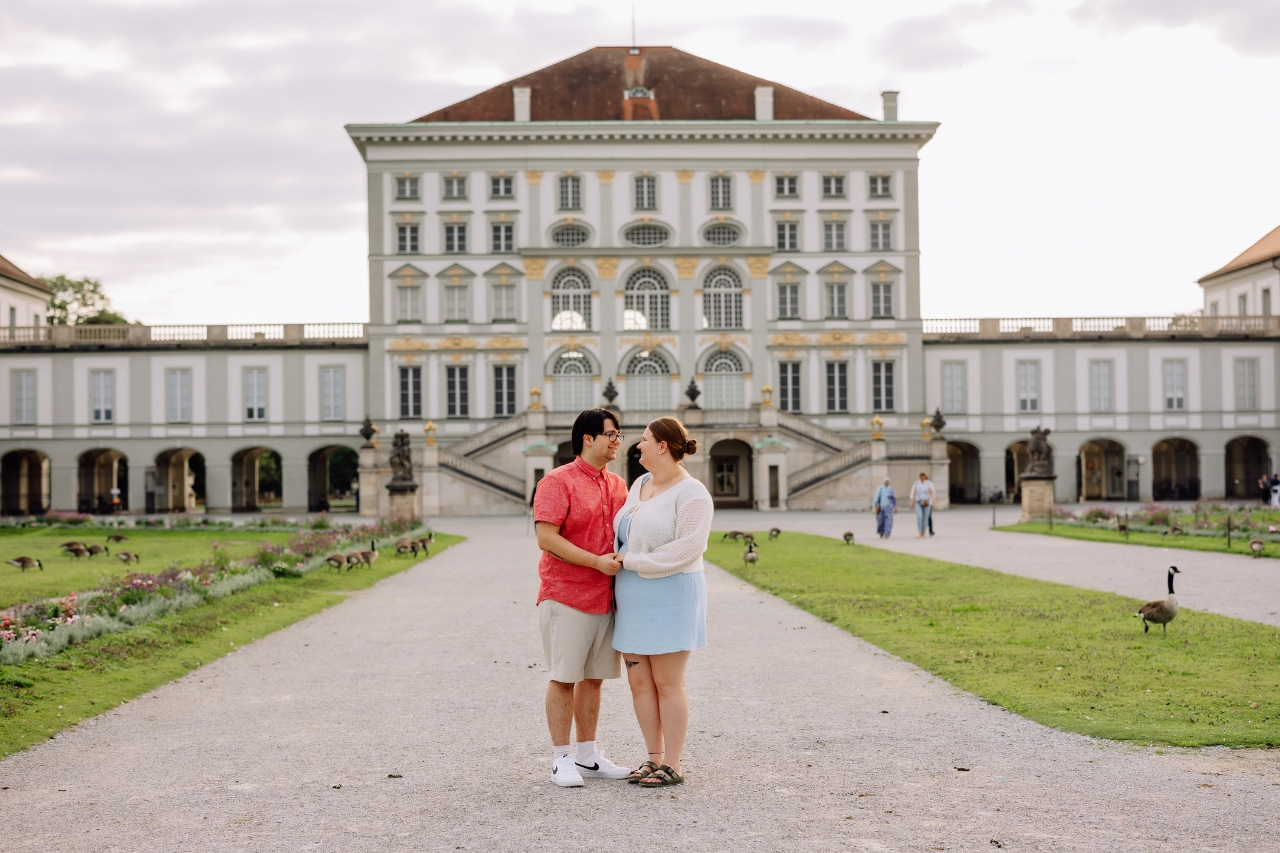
(798,426)
(833,466)
(457,457)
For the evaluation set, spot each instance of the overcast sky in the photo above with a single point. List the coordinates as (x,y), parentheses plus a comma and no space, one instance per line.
(1096,157)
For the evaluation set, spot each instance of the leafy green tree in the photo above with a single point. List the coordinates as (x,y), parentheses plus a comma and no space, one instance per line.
(80,302)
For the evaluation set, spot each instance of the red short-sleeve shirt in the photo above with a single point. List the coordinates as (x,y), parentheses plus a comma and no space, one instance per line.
(582,502)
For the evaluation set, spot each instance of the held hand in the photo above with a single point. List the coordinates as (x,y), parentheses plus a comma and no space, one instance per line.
(609,564)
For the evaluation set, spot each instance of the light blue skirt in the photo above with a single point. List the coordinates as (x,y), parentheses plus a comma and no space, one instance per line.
(657,616)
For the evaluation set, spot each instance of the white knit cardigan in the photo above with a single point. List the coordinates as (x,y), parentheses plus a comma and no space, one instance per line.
(668,533)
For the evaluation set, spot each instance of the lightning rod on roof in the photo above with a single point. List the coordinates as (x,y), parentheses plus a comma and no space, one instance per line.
(634,48)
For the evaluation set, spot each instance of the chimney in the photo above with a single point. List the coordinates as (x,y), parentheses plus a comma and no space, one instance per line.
(764,103)
(890,105)
(522,95)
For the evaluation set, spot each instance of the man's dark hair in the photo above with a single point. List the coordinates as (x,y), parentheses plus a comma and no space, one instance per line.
(591,422)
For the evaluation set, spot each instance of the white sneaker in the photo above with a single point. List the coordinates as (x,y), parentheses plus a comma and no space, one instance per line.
(599,767)
(564,774)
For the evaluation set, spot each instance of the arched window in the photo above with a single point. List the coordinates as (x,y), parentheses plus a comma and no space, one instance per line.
(572,383)
(648,383)
(648,302)
(722,300)
(723,382)
(570,301)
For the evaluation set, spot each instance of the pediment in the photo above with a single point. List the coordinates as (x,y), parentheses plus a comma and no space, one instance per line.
(788,268)
(503,270)
(455,271)
(408,271)
(882,268)
(835,268)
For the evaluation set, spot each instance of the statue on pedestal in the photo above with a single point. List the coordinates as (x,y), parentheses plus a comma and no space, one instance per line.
(1041,455)
(401,465)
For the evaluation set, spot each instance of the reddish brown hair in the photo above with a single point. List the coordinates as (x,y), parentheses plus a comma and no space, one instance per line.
(674,434)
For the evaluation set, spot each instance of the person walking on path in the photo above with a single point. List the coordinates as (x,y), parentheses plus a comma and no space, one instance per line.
(923,494)
(572,511)
(662,594)
(885,504)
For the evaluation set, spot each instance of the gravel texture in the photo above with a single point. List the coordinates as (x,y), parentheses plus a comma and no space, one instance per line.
(435,675)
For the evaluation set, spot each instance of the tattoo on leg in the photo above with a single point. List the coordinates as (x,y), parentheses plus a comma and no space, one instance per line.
(631,663)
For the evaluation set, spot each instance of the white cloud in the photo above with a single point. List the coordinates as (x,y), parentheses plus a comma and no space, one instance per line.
(1249,27)
(935,42)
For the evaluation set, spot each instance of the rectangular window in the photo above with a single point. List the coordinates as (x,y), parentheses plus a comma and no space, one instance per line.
(879,187)
(1246,384)
(455,187)
(102,396)
(502,186)
(880,235)
(1175,386)
(1101,396)
(788,302)
(23,383)
(836,299)
(455,239)
(789,386)
(332,393)
(721,193)
(408,304)
(787,186)
(570,192)
(646,193)
(457,308)
(837,386)
(504,238)
(833,236)
(406,187)
(882,386)
(953,387)
(504,390)
(179,393)
(833,186)
(1266,302)
(882,300)
(407,239)
(255,394)
(410,392)
(788,236)
(504,303)
(1028,386)
(13,316)
(1242,305)
(456,394)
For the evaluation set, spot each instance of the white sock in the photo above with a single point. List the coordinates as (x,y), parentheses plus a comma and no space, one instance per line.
(558,751)
(586,749)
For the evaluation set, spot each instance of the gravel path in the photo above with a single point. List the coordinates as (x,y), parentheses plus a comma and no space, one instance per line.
(1229,584)
(436,675)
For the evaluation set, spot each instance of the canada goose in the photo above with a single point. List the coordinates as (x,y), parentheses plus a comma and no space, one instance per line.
(1257,546)
(25,563)
(95,550)
(749,557)
(774,533)
(1122,527)
(76,551)
(338,561)
(848,538)
(425,544)
(72,544)
(1173,530)
(732,534)
(406,546)
(370,555)
(127,557)
(354,558)
(117,537)
(1162,610)
(749,538)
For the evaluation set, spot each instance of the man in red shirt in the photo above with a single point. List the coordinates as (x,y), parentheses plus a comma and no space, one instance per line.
(573,512)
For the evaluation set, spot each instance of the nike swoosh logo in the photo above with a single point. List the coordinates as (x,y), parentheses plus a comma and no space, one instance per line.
(595,766)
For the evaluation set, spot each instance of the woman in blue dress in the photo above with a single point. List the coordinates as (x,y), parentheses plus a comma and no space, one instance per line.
(661,594)
(885,503)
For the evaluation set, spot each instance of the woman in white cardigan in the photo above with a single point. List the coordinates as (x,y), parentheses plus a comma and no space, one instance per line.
(661,594)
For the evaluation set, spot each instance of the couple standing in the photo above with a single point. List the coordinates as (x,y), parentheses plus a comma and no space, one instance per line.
(621,581)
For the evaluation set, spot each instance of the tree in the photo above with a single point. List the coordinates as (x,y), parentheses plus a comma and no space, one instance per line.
(80,302)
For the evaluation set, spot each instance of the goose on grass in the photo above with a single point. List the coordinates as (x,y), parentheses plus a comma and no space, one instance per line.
(24,563)
(1161,611)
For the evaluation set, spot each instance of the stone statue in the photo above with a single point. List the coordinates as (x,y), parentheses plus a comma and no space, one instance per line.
(1041,464)
(368,431)
(401,460)
(938,422)
(693,394)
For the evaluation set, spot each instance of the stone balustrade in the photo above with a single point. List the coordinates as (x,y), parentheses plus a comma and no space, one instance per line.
(136,335)
(1093,328)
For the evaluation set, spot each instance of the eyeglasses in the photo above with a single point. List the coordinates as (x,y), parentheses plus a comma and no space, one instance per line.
(614,437)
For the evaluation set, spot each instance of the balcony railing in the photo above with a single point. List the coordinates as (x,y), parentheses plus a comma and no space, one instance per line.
(136,335)
(1089,328)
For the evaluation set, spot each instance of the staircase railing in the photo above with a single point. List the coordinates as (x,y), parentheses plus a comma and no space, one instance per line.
(500,480)
(828,468)
(810,430)
(489,437)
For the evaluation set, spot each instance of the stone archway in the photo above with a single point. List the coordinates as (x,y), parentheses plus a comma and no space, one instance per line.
(1016,460)
(1248,460)
(24,482)
(1101,471)
(1175,470)
(731,475)
(964,473)
(564,454)
(333,479)
(179,481)
(256,480)
(102,482)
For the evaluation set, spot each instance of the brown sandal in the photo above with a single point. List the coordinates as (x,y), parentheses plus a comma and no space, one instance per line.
(663,777)
(641,772)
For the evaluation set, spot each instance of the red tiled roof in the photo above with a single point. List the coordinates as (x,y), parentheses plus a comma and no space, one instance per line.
(1266,249)
(590,86)
(8,270)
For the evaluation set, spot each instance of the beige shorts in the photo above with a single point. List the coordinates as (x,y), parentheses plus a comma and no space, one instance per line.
(577,645)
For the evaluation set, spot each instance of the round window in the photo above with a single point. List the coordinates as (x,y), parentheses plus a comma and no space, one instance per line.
(570,236)
(646,235)
(722,235)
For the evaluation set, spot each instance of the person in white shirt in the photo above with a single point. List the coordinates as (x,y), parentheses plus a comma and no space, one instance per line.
(923,495)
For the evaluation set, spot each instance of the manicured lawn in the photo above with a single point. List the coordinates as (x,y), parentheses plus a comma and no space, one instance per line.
(39,698)
(1239,544)
(63,575)
(1069,658)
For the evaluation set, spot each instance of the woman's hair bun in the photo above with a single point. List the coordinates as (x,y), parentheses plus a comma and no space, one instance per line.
(690,447)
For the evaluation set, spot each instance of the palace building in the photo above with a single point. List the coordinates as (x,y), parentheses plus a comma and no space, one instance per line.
(647,230)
